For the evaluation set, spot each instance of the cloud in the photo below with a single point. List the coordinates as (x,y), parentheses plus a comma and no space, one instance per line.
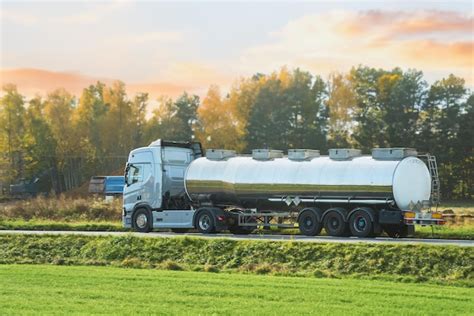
(91,13)
(400,23)
(38,81)
(431,41)
(18,17)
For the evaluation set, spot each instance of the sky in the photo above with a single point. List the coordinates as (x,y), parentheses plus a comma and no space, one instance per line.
(168,47)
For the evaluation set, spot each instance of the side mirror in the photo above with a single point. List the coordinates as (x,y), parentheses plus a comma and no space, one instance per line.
(127,170)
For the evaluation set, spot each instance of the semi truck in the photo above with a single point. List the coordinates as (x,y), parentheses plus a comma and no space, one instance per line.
(173,185)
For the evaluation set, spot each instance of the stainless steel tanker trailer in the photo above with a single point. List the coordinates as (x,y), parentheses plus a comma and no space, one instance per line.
(172,185)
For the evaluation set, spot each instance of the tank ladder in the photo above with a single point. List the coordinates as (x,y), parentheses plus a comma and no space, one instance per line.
(435,185)
(430,161)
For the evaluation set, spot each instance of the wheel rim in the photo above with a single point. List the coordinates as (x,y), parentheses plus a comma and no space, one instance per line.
(142,220)
(334,223)
(204,222)
(360,224)
(308,222)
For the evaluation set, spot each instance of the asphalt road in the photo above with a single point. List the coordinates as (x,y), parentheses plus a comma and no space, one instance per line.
(298,238)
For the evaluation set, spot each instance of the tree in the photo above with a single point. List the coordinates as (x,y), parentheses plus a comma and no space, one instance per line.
(289,112)
(217,126)
(40,145)
(12,110)
(185,116)
(341,106)
(174,120)
(139,107)
(464,188)
(369,131)
(401,96)
(117,126)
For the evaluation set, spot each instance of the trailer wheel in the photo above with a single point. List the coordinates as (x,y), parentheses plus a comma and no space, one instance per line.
(142,220)
(335,225)
(309,223)
(205,222)
(361,224)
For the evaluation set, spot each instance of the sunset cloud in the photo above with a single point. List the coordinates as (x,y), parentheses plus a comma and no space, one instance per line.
(127,41)
(431,41)
(37,81)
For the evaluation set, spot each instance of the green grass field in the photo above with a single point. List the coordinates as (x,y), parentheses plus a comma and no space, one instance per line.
(39,289)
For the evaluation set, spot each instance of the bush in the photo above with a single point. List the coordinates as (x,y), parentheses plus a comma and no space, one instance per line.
(404,262)
(63,208)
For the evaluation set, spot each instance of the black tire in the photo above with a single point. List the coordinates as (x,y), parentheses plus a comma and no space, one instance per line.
(142,220)
(205,222)
(179,230)
(361,224)
(309,223)
(335,225)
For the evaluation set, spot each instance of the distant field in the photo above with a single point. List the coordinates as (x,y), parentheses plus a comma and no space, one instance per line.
(63,290)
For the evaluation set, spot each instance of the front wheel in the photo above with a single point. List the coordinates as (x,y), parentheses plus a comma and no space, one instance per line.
(205,222)
(142,220)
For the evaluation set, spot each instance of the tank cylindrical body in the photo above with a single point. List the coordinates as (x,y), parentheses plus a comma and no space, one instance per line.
(244,181)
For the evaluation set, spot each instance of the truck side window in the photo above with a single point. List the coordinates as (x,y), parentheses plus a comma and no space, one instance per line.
(138,172)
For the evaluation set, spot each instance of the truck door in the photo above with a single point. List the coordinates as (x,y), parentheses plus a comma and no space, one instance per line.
(139,182)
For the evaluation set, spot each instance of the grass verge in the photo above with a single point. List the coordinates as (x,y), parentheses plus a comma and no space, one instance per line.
(38,224)
(410,263)
(106,290)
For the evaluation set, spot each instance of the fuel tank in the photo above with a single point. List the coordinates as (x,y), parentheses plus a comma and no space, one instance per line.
(244,181)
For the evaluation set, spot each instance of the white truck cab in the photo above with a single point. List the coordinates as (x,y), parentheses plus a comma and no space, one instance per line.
(154,186)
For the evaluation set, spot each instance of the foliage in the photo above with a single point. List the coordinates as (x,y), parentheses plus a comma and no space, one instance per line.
(62,141)
(436,263)
(63,208)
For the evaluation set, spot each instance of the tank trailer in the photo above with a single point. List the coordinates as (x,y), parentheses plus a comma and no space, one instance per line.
(172,185)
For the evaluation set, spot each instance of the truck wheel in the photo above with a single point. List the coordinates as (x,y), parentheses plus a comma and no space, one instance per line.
(142,220)
(361,224)
(334,224)
(309,224)
(205,222)
(179,230)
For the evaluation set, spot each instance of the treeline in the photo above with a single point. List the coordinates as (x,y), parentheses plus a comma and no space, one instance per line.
(67,140)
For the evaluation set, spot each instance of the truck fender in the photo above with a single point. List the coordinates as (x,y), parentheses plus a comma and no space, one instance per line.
(142,205)
(215,211)
(317,212)
(339,210)
(368,210)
